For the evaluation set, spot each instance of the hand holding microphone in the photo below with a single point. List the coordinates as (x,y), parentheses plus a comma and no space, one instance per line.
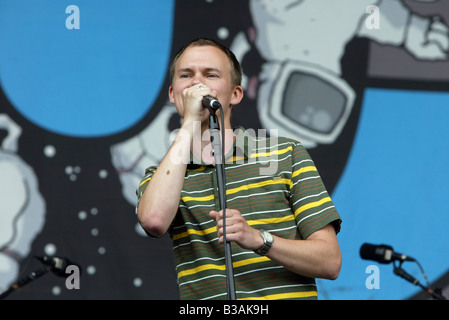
(190,98)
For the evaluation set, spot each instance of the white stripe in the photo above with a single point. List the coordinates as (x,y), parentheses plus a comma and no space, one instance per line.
(268,211)
(201,279)
(194,224)
(262,178)
(252,161)
(278,287)
(212,297)
(259,145)
(257,270)
(197,206)
(254,194)
(311,196)
(283,229)
(190,242)
(198,191)
(305,179)
(314,214)
(191,175)
(199,259)
(301,162)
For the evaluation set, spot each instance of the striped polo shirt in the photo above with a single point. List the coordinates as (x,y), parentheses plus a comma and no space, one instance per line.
(274,183)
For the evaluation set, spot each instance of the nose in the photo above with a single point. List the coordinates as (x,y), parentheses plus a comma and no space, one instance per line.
(196,79)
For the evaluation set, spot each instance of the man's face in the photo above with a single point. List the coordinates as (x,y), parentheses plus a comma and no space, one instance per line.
(207,65)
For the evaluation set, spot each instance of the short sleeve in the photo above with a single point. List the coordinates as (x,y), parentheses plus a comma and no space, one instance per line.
(144,182)
(312,206)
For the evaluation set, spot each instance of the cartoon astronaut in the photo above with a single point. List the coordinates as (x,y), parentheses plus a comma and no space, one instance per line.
(302,92)
(22,213)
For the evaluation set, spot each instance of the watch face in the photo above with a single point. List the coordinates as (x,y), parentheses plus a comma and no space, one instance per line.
(268,236)
(267,242)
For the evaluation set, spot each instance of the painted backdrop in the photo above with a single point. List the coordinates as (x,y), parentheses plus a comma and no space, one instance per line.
(84,109)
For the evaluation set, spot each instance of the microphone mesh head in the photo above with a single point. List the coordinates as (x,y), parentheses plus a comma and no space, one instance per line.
(376,252)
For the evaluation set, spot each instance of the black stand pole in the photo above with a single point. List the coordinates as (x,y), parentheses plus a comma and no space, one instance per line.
(219,166)
(403,274)
(32,276)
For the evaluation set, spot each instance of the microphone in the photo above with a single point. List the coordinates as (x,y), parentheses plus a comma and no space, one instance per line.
(57,264)
(382,253)
(211,102)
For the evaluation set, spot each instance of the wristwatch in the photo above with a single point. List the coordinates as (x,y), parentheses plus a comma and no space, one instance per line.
(267,242)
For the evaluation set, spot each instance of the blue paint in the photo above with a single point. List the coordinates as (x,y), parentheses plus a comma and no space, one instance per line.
(394,190)
(93,81)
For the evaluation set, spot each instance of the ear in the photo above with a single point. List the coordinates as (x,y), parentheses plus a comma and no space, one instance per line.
(237,95)
(170,95)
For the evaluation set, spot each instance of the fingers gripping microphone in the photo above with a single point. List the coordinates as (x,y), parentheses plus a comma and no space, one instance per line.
(211,102)
(382,253)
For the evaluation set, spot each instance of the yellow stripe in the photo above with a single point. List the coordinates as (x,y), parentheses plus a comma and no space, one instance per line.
(259,184)
(249,261)
(302,170)
(202,168)
(144,181)
(267,154)
(221,267)
(311,205)
(201,268)
(270,220)
(192,231)
(285,296)
(205,198)
(235,158)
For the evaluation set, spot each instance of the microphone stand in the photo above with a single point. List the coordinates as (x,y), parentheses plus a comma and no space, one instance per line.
(403,274)
(221,178)
(30,277)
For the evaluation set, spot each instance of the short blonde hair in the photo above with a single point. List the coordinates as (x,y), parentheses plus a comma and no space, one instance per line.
(236,69)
